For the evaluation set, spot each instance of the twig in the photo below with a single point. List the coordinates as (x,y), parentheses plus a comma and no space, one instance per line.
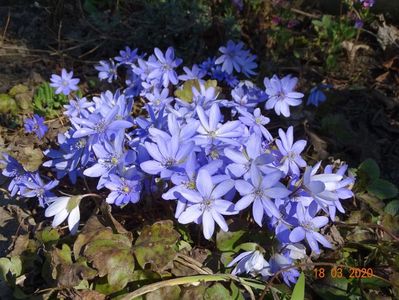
(304,13)
(6,27)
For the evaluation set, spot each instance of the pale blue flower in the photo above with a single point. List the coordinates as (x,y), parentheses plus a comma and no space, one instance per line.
(206,203)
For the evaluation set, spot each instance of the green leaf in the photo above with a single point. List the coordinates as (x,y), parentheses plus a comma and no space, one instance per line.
(217,292)
(156,245)
(16,266)
(48,235)
(112,257)
(392,207)
(299,290)
(383,189)
(5,266)
(226,241)
(370,167)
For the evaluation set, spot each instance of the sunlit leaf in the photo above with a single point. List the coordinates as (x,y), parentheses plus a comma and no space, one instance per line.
(299,289)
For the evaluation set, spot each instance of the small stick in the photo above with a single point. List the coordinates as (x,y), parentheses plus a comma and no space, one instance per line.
(5,28)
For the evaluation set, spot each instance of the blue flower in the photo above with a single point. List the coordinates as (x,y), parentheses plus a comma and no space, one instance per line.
(282,94)
(36,125)
(260,191)
(279,262)
(256,122)
(212,131)
(163,69)
(99,127)
(78,108)
(33,186)
(14,170)
(107,70)
(186,180)
(206,203)
(73,155)
(250,262)
(158,98)
(64,84)
(169,156)
(243,160)
(308,227)
(194,74)
(232,57)
(290,152)
(316,95)
(111,157)
(127,56)
(123,190)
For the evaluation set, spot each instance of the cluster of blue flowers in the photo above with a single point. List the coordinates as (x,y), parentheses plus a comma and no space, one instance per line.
(209,152)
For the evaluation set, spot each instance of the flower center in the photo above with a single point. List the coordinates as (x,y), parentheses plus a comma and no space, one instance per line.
(126,189)
(258,193)
(206,204)
(169,162)
(100,127)
(190,185)
(81,144)
(212,134)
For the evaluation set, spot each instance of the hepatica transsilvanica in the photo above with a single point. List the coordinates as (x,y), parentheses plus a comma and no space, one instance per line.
(213,165)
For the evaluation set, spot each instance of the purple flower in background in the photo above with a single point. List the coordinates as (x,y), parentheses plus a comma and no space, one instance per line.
(359,23)
(282,94)
(36,125)
(250,262)
(238,3)
(64,84)
(276,20)
(308,228)
(367,3)
(292,23)
(107,70)
(291,158)
(207,204)
(260,191)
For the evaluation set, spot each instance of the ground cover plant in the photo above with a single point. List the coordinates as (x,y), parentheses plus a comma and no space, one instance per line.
(204,177)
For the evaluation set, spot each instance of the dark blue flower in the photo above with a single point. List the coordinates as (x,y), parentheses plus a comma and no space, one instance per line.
(36,125)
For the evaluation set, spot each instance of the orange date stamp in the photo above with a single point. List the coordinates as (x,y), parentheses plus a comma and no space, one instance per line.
(338,272)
